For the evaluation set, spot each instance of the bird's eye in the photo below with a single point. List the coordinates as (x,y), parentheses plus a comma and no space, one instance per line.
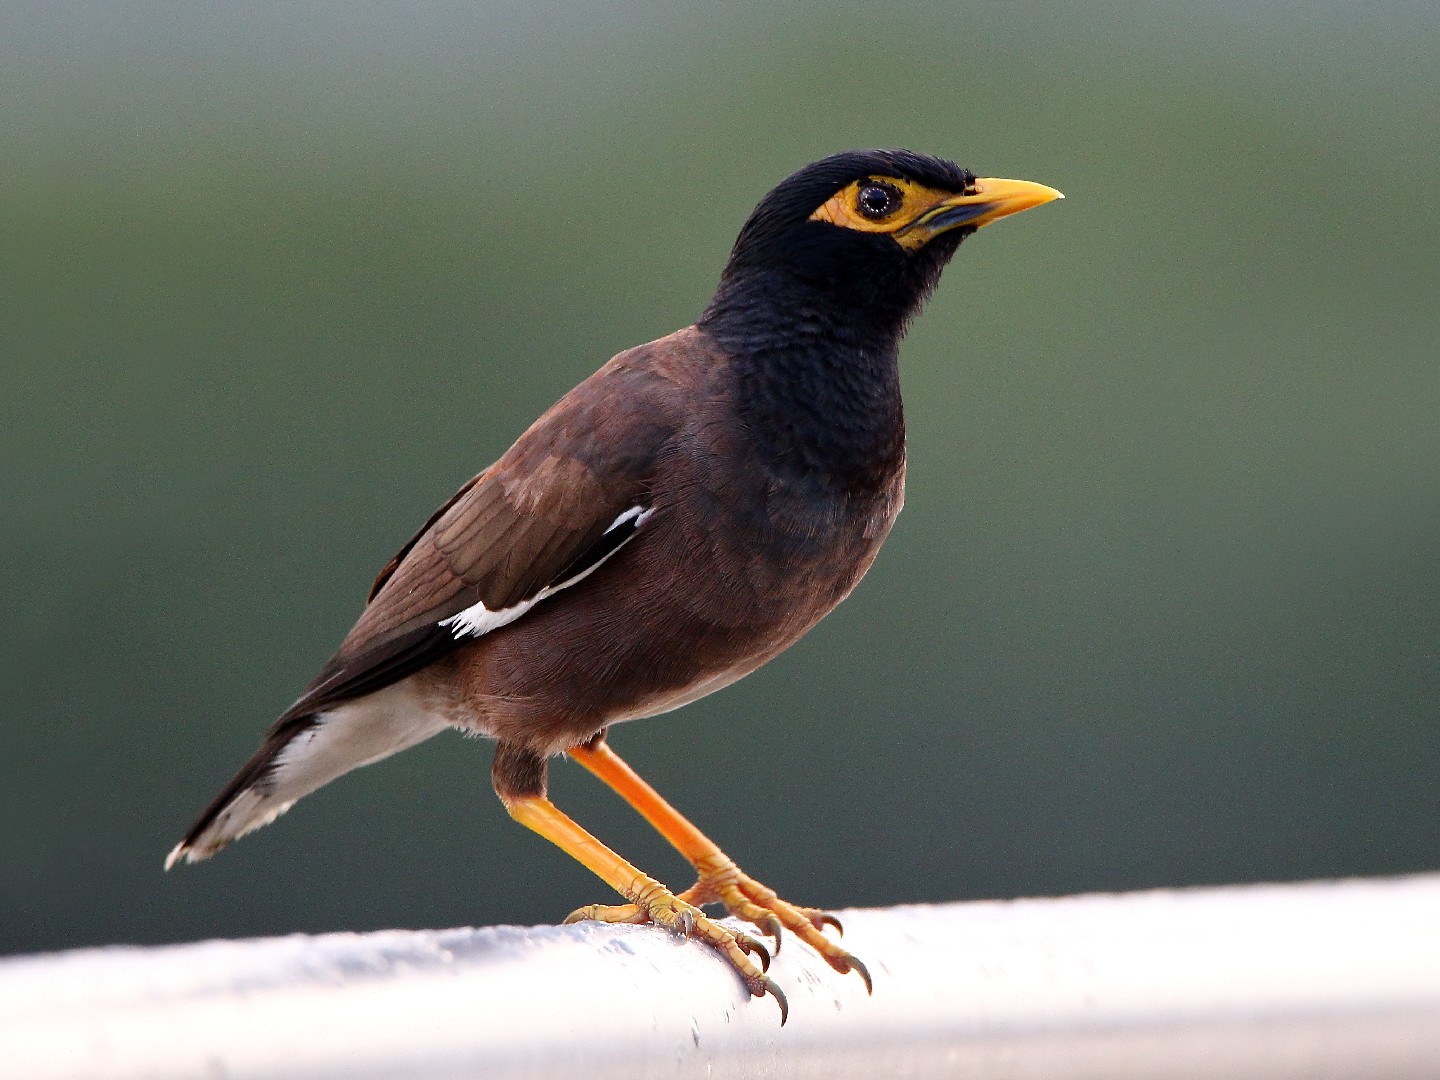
(876,199)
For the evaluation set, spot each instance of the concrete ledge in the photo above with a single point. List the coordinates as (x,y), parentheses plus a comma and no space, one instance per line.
(1313,980)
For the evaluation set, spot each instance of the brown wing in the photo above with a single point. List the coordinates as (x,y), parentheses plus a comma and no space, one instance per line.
(567,495)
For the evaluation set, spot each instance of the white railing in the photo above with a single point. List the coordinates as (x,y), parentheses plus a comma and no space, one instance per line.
(1334,979)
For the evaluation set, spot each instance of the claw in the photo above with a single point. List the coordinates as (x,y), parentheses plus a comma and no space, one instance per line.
(860,969)
(771,927)
(767,986)
(685,924)
(824,918)
(750,947)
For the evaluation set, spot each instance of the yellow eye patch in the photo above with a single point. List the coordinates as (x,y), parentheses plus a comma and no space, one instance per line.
(861,206)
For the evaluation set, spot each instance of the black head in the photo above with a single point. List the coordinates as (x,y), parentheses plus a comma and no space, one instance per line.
(860,237)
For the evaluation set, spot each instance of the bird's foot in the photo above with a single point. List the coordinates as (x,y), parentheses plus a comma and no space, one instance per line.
(656,904)
(725,883)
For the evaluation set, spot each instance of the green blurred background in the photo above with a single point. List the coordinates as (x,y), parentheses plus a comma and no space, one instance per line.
(1162,608)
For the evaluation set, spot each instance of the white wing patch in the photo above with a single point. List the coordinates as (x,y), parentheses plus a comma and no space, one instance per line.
(478,620)
(636,514)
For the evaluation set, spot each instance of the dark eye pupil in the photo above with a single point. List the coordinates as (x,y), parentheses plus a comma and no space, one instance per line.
(876,200)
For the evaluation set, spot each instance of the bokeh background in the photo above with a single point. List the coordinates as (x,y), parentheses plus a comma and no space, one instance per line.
(1163,607)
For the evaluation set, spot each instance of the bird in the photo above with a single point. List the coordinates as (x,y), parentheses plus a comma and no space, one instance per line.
(678,519)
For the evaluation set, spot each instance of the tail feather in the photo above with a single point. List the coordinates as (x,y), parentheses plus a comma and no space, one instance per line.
(305,752)
(244,804)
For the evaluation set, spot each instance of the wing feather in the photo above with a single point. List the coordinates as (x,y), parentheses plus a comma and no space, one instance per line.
(531,524)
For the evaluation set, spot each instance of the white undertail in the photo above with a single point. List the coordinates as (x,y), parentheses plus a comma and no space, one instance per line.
(349,735)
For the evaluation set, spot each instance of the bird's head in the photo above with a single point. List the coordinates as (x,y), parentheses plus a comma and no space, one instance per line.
(866,232)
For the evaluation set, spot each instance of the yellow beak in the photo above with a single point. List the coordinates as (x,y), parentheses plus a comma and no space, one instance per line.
(992,199)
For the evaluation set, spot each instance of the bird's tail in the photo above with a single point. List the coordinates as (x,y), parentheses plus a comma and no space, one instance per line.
(305,752)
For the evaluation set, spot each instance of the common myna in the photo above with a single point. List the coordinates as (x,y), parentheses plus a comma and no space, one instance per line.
(679,518)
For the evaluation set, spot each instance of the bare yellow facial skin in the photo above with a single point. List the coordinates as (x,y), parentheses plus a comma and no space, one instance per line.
(921,213)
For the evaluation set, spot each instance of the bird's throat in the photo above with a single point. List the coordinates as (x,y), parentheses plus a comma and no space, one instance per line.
(818,393)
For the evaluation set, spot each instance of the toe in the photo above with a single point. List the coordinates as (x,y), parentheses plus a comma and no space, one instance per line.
(608,913)
(758,904)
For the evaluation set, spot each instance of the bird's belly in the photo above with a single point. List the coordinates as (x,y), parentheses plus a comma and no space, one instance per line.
(682,612)
(671,700)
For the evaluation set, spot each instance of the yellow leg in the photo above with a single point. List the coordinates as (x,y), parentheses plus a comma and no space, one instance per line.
(651,901)
(720,879)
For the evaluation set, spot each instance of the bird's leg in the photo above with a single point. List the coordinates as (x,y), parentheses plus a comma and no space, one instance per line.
(720,879)
(652,900)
